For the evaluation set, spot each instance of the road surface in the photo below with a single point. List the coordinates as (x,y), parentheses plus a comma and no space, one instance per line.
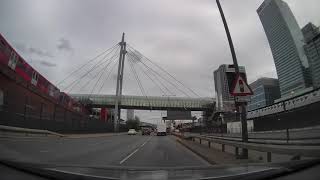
(120,150)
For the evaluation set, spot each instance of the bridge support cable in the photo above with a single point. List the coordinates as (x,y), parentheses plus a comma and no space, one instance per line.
(95,66)
(106,79)
(176,86)
(138,81)
(102,71)
(130,59)
(157,73)
(162,69)
(156,80)
(93,87)
(86,63)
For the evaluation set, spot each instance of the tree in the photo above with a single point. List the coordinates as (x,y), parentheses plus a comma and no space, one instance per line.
(133,123)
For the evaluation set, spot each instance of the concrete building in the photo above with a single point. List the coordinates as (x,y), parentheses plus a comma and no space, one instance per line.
(130,114)
(265,91)
(286,43)
(311,35)
(222,84)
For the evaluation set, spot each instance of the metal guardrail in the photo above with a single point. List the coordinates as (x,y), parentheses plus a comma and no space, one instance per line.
(297,151)
(304,136)
(27,131)
(277,141)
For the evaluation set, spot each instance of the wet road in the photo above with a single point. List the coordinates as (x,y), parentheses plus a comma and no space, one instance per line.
(121,150)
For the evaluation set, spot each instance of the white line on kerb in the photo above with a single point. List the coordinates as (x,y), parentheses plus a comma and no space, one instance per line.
(136,150)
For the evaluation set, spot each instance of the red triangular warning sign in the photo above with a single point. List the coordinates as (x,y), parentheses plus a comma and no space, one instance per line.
(240,87)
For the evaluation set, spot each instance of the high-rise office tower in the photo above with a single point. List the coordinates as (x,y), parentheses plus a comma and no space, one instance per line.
(311,34)
(265,91)
(286,43)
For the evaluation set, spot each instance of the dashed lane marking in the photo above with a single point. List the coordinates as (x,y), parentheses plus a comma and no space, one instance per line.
(136,150)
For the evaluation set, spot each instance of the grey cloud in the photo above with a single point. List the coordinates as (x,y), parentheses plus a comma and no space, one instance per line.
(114,76)
(64,45)
(33,50)
(43,63)
(46,63)
(39,52)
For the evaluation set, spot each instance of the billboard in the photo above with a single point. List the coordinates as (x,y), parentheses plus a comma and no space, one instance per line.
(179,115)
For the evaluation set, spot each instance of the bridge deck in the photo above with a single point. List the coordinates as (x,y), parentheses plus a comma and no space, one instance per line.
(150,102)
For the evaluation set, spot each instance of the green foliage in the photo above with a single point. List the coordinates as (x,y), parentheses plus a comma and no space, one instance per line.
(133,123)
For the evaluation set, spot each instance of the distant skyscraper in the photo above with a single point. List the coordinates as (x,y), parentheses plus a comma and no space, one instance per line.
(286,43)
(311,34)
(221,83)
(265,91)
(130,114)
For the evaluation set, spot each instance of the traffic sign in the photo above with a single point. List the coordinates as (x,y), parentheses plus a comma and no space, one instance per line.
(240,87)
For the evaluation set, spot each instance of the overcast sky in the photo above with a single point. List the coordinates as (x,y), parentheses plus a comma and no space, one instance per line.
(186,37)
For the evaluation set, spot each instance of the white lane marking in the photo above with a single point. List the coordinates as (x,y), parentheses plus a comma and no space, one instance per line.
(129,156)
(145,142)
(136,150)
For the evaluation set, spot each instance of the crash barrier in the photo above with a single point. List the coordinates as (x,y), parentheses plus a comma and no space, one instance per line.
(296,151)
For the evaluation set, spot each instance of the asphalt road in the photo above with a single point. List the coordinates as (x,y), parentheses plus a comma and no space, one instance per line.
(121,150)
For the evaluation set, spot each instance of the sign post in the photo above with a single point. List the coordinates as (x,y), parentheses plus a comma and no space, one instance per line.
(240,88)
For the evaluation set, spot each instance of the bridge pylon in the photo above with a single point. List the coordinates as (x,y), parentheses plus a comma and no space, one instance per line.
(117,114)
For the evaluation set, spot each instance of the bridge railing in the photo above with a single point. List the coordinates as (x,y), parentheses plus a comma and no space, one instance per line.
(135,101)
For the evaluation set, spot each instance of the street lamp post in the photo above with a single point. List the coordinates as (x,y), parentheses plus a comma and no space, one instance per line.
(239,106)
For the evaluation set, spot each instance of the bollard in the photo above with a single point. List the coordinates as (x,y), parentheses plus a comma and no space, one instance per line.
(223,148)
(200,140)
(268,156)
(209,144)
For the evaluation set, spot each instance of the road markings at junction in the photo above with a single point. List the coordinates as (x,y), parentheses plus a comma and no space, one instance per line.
(136,150)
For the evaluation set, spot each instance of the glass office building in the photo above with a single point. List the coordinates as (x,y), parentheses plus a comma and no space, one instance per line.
(265,92)
(286,43)
(311,34)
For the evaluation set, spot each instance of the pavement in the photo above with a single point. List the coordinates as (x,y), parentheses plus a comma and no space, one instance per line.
(101,151)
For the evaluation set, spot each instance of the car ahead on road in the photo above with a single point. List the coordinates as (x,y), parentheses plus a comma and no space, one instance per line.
(132,132)
(146,131)
(161,130)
